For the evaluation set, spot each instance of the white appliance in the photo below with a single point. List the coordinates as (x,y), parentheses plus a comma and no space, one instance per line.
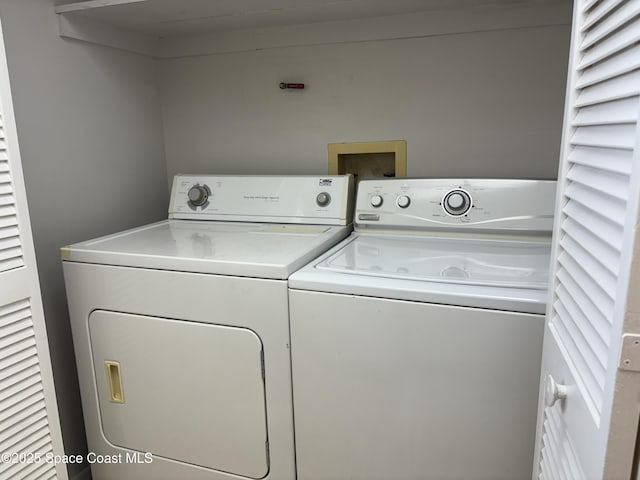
(416,342)
(181,328)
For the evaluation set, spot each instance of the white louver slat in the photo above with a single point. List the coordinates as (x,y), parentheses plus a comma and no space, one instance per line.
(598,319)
(614,89)
(625,62)
(559,459)
(600,10)
(615,112)
(608,220)
(603,28)
(606,136)
(23,414)
(596,212)
(617,161)
(592,241)
(10,246)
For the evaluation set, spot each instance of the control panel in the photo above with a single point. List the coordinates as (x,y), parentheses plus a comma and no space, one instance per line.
(446,204)
(263,198)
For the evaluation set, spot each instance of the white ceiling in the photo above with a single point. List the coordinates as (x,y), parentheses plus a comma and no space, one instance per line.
(175,17)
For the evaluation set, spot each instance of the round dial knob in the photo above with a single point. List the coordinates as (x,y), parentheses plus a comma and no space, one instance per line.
(323,199)
(403,201)
(456,202)
(198,195)
(376,201)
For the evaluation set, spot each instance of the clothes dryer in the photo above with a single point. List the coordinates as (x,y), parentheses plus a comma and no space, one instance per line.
(416,342)
(181,328)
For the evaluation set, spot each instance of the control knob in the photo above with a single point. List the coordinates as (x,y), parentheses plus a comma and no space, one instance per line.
(323,199)
(456,202)
(198,195)
(376,201)
(403,201)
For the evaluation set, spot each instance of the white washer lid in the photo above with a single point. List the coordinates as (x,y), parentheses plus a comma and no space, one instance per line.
(448,271)
(489,262)
(260,250)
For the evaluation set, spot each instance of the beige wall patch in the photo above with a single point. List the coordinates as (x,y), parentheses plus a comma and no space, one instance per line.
(368,159)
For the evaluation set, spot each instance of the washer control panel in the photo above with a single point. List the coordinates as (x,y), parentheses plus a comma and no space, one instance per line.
(263,198)
(488,204)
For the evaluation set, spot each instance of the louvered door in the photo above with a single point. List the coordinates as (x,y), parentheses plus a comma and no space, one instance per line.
(29,425)
(587,420)
(10,249)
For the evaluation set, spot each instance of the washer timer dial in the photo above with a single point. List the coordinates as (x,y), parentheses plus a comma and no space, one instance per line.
(456,202)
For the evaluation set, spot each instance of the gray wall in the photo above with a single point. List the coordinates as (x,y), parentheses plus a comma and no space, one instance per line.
(485,103)
(90,136)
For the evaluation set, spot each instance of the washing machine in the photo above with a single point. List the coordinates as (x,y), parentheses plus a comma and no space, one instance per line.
(181,328)
(416,342)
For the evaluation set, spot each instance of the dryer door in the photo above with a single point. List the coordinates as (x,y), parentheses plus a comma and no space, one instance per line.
(157,380)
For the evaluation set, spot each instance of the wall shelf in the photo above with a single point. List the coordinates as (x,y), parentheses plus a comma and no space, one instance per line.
(169,28)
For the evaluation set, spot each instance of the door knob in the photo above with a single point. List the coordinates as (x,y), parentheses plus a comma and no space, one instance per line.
(553,391)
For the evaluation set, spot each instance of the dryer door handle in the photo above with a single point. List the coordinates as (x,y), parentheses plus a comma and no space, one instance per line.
(114,380)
